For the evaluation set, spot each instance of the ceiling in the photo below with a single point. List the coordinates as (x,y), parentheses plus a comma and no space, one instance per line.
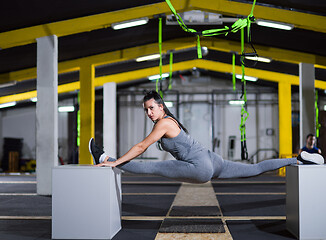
(82,32)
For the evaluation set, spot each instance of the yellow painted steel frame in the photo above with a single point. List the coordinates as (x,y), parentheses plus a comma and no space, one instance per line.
(89,82)
(78,25)
(87,97)
(86,65)
(285,118)
(298,19)
(186,65)
(87,94)
(87,111)
(88,23)
(176,44)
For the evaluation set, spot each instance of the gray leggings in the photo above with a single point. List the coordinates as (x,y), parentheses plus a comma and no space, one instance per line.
(203,170)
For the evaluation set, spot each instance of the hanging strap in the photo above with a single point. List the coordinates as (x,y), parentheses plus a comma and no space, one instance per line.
(170,75)
(250,19)
(233,72)
(159,80)
(199,48)
(239,24)
(242,51)
(318,125)
(244,113)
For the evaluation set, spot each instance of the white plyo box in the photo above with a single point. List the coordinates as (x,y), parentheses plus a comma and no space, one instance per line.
(86,202)
(305,201)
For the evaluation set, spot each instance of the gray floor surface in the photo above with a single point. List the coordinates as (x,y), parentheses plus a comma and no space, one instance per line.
(24,203)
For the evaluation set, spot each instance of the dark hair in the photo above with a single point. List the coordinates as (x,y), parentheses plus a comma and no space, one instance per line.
(157,98)
(310,135)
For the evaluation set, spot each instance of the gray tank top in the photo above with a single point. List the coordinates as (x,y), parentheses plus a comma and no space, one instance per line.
(182,147)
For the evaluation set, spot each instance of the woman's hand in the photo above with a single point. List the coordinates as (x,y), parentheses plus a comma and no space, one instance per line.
(106,163)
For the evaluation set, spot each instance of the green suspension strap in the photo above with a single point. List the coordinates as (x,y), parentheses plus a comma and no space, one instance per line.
(253,52)
(160,80)
(318,125)
(199,53)
(170,75)
(244,113)
(78,120)
(239,24)
(242,51)
(233,71)
(250,19)
(160,50)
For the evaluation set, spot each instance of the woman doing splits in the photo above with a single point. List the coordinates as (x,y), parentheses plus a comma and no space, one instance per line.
(193,163)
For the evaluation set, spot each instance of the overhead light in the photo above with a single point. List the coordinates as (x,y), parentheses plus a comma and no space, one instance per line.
(155,77)
(169,104)
(278,25)
(324,107)
(247,78)
(259,59)
(130,23)
(9,104)
(236,102)
(34,99)
(66,109)
(8,84)
(196,17)
(149,57)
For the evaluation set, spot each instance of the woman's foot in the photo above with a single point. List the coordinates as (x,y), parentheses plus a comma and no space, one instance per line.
(310,158)
(95,151)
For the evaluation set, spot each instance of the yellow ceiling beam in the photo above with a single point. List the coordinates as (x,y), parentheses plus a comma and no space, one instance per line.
(298,19)
(277,54)
(28,35)
(176,44)
(18,97)
(143,73)
(186,65)
(69,87)
(30,73)
(103,59)
(204,64)
(261,74)
(320,84)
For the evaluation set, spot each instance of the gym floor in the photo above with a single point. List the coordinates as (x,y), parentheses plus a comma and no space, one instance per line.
(159,208)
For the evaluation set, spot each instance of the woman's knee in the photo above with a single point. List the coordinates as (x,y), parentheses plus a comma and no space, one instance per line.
(204,176)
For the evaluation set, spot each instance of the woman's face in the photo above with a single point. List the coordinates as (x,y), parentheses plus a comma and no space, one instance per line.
(153,110)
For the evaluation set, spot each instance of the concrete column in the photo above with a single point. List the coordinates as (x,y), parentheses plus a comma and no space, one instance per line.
(109,119)
(285,119)
(46,112)
(307,100)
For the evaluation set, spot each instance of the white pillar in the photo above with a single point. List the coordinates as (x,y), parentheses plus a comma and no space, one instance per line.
(110,145)
(109,119)
(307,100)
(46,112)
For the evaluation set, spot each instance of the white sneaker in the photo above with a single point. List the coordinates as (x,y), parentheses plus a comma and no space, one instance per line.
(310,158)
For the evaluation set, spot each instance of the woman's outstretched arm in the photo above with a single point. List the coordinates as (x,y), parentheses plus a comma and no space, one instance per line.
(158,131)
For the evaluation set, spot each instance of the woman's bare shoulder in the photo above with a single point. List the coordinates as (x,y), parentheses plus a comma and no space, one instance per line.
(166,123)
